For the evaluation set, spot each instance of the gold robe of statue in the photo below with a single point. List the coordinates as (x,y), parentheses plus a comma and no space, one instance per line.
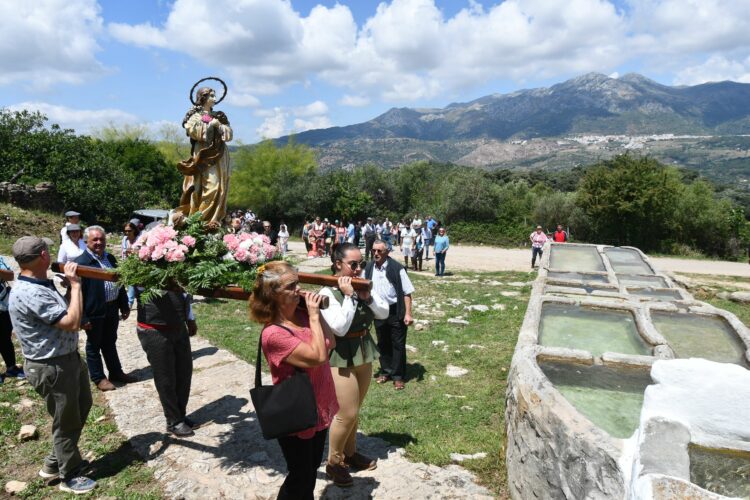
(207,172)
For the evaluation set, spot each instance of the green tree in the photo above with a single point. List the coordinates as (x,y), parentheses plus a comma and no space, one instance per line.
(266,178)
(630,201)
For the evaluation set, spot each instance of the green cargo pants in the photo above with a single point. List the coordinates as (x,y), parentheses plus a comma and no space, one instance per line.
(63,382)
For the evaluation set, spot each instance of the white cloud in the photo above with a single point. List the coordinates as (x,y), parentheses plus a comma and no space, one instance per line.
(44,42)
(312,109)
(274,125)
(409,49)
(81,120)
(716,69)
(243,99)
(311,116)
(300,125)
(354,101)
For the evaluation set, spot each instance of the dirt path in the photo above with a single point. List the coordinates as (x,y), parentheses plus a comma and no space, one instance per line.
(484,258)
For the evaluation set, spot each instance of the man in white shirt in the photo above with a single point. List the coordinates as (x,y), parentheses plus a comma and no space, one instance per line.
(390,281)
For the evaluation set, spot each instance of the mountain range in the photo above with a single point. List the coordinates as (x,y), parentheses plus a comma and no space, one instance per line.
(540,121)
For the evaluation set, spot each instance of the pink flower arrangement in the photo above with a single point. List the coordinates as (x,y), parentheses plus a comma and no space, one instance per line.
(161,243)
(252,248)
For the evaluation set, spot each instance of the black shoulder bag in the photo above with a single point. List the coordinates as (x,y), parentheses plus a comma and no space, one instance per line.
(284,408)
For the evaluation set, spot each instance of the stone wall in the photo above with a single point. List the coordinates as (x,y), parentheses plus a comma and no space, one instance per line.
(43,196)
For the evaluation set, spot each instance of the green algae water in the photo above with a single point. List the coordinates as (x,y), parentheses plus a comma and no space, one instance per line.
(594,330)
(575,258)
(624,260)
(610,398)
(724,472)
(700,336)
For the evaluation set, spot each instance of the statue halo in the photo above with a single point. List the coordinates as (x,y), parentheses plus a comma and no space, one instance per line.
(192,90)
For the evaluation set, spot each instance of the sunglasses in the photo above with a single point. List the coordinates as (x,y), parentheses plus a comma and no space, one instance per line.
(356,264)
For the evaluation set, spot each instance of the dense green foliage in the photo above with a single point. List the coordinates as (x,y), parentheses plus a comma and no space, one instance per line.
(623,201)
(105,180)
(627,200)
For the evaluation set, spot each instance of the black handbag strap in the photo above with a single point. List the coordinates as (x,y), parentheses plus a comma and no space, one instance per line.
(258,382)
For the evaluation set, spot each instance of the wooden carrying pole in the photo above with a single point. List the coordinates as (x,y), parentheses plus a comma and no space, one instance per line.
(6,275)
(230,292)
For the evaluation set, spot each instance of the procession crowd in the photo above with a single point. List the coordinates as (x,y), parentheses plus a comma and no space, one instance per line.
(335,346)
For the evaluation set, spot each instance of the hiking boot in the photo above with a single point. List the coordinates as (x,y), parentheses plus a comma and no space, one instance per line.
(339,474)
(78,485)
(105,385)
(180,429)
(361,462)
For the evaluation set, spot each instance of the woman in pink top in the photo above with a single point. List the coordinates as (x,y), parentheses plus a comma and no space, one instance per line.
(293,338)
(538,239)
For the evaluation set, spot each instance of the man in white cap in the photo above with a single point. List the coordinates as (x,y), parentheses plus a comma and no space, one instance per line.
(71,217)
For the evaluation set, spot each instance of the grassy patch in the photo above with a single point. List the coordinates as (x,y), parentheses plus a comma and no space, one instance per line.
(436,415)
(117,468)
(16,222)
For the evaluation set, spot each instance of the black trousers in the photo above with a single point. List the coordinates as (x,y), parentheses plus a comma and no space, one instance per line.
(369,241)
(534,252)
(391,335)
(102,338)
(303,457)
(6,345)
(171,360)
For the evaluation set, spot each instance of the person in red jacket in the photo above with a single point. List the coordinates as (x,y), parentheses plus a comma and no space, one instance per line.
(560,236)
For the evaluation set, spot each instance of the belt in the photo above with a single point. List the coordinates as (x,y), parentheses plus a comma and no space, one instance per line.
(160,328)
(356,335)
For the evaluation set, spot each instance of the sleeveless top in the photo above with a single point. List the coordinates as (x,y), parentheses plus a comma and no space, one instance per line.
(349,353)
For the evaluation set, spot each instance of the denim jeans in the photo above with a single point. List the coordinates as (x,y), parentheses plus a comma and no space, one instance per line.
(534,252)
(440,263)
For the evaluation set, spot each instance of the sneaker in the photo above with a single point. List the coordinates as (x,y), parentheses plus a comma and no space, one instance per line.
(339,474)
(49,472)
(361,462)
(180,429)
(78,485)
(16,371)
(105,385)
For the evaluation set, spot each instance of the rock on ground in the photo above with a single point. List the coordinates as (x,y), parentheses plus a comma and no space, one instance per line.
(228,457)
(14,487)
(741,297)
(27,433)
(455,371)
(457,321)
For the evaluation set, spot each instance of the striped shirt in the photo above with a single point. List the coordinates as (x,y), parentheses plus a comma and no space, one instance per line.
(111,288)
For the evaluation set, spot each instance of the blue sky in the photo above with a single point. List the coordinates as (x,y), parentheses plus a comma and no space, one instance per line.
(296,65)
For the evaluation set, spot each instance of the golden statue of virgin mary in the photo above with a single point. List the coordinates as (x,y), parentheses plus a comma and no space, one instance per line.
(207,170)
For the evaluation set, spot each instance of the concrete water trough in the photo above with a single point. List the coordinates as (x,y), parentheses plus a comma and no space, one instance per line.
(602,399)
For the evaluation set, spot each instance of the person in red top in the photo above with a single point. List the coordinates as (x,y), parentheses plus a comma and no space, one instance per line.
(292,338)
(559,235)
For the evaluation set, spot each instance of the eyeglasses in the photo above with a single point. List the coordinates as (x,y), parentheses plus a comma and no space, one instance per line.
(379,250)
(266,227)
(356,264)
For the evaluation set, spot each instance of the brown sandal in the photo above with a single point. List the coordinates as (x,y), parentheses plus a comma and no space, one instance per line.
(399,385)
(382,379)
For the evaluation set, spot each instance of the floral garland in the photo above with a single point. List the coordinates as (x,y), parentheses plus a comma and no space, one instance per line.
(193,258)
